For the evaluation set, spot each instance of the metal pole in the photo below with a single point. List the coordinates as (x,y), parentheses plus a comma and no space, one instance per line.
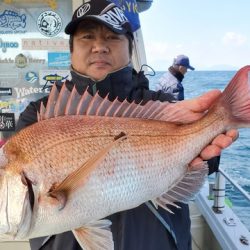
(219,193)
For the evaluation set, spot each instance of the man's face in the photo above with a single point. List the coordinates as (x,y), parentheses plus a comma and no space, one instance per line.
(98,51)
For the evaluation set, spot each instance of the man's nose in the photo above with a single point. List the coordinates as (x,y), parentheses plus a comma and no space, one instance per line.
(100,46)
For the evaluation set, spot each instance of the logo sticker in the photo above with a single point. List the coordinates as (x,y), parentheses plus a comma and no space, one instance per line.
(49,77)
(12,20)
(6,45)
(22,92)
(31,77)
(5,91)
(59,59)
(21,61)
(45,44)
(7,122)
(49,23)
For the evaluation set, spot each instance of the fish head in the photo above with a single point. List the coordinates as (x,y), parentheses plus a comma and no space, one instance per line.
(15,205)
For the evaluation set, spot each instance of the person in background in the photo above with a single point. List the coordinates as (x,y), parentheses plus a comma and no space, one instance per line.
(101,53)
(170,82)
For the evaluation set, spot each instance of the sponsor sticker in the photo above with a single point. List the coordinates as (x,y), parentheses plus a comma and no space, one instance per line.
(45,44)
(7,122)
(11,21)
(40,3)
(6,60)
(49,77)
(21,61)
(49,23)
(31,77)
(14,105)
(4,45)
(5,91)
(23,92)
(59,59)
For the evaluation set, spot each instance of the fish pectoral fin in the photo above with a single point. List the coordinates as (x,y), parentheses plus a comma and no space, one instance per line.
(185,189)
(77,178)
(95,236)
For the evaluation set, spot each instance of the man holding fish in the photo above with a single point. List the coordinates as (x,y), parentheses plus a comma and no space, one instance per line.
(101,48)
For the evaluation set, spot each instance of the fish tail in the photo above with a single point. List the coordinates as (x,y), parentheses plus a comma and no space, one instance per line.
(236,98)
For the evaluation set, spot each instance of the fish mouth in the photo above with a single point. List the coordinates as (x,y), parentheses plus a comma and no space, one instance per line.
(16,208)
(27,210)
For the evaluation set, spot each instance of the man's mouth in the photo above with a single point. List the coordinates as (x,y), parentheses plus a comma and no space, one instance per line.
(100,62)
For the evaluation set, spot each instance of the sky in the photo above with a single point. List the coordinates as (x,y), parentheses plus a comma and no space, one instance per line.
(214,34)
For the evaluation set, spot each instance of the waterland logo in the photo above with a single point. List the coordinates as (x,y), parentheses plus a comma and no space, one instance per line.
(8,45)
(21,92)
(11,21)
(49,23)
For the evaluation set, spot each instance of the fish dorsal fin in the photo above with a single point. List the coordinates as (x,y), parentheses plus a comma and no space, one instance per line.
(49,111)
(185,189)
(72,103)
(95,236)
(66,102)
(62,100)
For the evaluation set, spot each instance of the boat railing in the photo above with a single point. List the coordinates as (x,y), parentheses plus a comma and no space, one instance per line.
(226,226)
(217,190)
(235,184)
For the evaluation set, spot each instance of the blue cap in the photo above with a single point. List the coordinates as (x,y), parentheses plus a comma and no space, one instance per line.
(183,60)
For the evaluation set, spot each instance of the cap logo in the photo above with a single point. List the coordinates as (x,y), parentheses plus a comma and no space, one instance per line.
(83,10)
(114,17)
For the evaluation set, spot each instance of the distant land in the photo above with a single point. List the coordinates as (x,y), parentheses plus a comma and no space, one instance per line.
(218,68)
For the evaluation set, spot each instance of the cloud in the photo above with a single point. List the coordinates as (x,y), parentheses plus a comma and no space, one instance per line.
(232,38)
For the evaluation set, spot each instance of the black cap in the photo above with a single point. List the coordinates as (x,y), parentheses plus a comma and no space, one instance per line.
(105,12)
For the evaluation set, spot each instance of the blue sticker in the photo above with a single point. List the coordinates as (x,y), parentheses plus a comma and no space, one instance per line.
(12,20)
(8,45)
(59,59)
(31,77)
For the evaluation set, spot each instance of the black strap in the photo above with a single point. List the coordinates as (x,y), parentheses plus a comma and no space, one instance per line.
(160,218)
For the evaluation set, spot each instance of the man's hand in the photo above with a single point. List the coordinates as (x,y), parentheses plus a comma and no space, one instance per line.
(219,143)
(188,111)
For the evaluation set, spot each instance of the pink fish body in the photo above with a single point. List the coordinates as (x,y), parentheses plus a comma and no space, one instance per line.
(89,158)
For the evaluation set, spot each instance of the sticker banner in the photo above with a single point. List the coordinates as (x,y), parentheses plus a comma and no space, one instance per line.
(7,122)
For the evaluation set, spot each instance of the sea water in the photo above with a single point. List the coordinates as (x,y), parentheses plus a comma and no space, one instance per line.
(235,160)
